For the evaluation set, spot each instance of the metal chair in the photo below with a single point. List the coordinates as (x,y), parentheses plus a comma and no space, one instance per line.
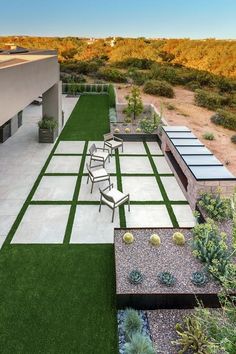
(112,142)
(113,199)
(99,154)
(97,175)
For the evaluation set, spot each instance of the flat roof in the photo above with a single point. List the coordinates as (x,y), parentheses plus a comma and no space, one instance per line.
(10,62)
(200,161)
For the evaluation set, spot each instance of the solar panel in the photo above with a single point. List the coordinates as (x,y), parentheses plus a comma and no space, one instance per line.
(211,172)
(183,135)
(193,150)
(186,142)
(201,160)
(176,128)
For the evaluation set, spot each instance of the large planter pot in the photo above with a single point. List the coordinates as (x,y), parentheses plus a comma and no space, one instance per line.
(47,135)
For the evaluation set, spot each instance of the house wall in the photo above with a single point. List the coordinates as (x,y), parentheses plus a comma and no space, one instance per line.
(21,84)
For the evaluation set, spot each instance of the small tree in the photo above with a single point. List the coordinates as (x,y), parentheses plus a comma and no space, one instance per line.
(135,104)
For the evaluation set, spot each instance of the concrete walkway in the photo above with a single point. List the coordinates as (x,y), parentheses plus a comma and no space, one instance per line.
(21,160)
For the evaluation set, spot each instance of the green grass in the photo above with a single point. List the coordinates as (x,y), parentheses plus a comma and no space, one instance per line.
(60,298)
(57,299)
(89,119)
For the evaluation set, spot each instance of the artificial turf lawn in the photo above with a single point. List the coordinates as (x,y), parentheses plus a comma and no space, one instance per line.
(89,119)
(60,298)
(57,299)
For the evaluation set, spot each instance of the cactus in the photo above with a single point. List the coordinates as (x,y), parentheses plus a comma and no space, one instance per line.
(155,240)
(127,130)
(128,238)
(135,277)
(132,323)
(117,130)
(199,278)
(138,130)
(178,238)
(166,278)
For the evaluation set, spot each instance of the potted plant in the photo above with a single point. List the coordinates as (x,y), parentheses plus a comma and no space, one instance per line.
(47,130)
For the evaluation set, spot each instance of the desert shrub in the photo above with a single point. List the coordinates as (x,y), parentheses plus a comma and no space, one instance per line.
(159,88)
(224,85)
(135,277)
(136,63)
(139,78)
(170,107)
(233,139)
(166,278)
(192,337)
(112,96)
(112,75)
(132,323)
(199,279)
(208,136)
(211,100)
(210,247)
(225,118)
(215,206)
(163,72)
(139,344)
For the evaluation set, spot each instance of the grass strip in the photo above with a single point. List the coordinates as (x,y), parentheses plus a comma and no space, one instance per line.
(162,189)
(75,197)
(120,188)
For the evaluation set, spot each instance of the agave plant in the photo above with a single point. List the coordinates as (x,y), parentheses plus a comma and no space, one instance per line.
(199,278)
(166,278)
(135,277)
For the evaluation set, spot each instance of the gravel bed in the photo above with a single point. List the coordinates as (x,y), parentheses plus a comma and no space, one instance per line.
(121,333)
(131,126)
(162,326)
(151,260)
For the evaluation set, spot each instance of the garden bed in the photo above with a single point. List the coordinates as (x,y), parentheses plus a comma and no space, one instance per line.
(150,261)
(162,328)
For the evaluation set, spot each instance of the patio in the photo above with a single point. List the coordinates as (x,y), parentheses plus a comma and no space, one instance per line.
(142,171)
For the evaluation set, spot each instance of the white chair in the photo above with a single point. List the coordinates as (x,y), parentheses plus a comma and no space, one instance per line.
(113,199)
(112,142)
(99,155)
(97,175)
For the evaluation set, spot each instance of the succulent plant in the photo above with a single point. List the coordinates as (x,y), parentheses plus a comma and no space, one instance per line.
(199,278)
(166,278)
(127,130)
(128,238)
(135,277)
(117,130)
(178,238)
(138,130)
(155,240)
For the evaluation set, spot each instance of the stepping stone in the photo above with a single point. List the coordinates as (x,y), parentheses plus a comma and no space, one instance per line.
(54,188)
(109,166)
(141,188)
(70,147)
(64,164)
(184,215)
(84,193)
(90,226)
(135,164)
(154,148)
(133,148)
(147,216)
(43,224)
(162,165)
(172,188)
